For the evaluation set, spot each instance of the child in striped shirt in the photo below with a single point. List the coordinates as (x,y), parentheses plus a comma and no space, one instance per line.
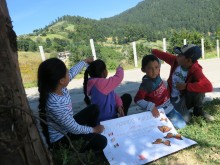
(56,107)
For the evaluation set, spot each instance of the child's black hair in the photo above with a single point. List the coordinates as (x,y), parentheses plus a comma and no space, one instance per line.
(49,74)
(95,70)
(148,58)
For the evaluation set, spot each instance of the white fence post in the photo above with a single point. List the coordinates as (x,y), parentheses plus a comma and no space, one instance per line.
(135,54)
(203,51)
(93,49)
(184,42)
(217,47)
(42,53)
(164,45)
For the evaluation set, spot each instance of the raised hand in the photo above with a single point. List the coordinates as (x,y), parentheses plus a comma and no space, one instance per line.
(89,60)
(120,66)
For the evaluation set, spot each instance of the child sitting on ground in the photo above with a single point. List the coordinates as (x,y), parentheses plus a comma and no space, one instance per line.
(187,82)
(101,90)
(55,107)
(153,94)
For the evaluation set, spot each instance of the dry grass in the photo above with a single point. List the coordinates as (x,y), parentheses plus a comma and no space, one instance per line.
(29,62)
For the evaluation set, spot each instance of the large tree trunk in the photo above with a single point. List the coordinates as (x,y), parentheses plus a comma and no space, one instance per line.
(20,142)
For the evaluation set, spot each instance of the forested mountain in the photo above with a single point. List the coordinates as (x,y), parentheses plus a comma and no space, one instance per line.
(154,17)
(163,15)
(150,19)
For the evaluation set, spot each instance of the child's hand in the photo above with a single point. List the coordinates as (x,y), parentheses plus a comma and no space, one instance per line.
(89,60)
(122,63)
(181,86)
(120,66)
(155,112)
(121,111)
(98,129)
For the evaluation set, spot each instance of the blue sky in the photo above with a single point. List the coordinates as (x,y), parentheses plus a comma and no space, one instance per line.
(28,15)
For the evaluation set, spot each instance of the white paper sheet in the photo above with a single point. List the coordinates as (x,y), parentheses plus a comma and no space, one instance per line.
(130,139)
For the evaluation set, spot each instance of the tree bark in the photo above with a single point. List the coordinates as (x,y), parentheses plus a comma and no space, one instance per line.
(20,142)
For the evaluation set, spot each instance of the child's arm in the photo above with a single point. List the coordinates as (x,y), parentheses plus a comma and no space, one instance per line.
(118,100)
(119,105)
(149,106)
(139,99)
(167,57)
(66,122)
(79,67)
(76,69)
(201,84)
(108,85)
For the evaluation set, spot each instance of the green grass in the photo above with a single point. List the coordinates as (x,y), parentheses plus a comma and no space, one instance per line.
(206,134)
(153,45)
(50,36)
(211,54)
(66,156)
(70,28)
(57,25)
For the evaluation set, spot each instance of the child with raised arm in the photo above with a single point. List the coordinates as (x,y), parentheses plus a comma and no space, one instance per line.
(153,94)
(55,107)
(186,81)
(101,90)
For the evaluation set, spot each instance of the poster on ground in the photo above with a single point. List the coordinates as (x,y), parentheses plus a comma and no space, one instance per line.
(141,138)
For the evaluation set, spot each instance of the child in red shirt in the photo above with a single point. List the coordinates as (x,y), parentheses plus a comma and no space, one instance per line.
(186,82)
(153,94)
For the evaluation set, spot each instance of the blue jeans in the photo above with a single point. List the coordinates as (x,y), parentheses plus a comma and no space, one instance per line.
(176,119)
(187,101)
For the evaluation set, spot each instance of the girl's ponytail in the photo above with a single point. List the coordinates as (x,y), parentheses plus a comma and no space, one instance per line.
(95,70)
(86,98)
(42,112)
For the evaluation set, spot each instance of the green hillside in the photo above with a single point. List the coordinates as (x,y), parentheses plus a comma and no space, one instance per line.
(150,19)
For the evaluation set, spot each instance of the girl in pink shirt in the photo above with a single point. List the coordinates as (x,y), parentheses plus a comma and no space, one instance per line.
(101,91)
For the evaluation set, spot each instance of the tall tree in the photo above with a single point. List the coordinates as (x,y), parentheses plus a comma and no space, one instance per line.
(20,142)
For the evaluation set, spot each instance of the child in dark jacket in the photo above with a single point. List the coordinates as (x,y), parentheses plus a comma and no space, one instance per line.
(153,94)
(101,90)
(186,81)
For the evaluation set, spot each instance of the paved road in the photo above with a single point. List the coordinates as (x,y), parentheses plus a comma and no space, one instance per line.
(131,82)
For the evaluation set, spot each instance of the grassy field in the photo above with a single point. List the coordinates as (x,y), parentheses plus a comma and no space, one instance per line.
(211,54)
(206,152)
